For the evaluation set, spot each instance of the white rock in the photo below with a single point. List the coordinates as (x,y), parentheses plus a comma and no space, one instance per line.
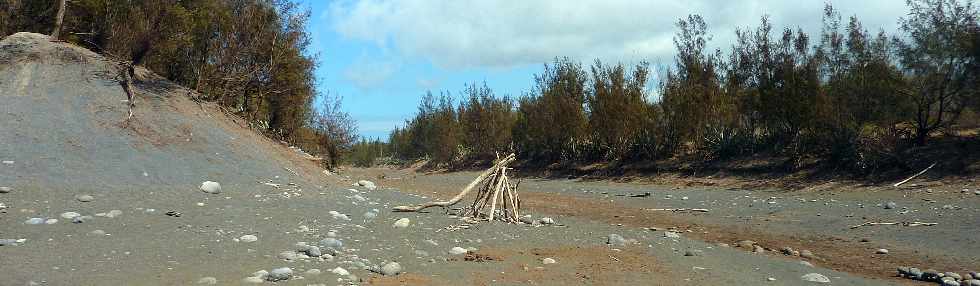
(207,281)
(332,243)
(253,280)
(313,271)
(8,162)
(402,223)
(70,215)
(546,220)
(549,260)
(211,187)
(391,269)
(51,221)
(882,251)
(340,271)
(34,220)
(671,234)
(457,251)
(4,190)
(249,238)
(358,198)
(113,213)
(815,277)
(367,184)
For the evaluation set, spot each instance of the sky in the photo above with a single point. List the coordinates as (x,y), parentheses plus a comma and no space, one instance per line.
(381,56)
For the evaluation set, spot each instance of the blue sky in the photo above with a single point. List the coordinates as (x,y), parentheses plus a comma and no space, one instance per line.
(381,56)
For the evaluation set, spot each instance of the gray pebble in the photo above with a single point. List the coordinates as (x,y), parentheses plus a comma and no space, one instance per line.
(950,282)
(915,273)
(85,198)
(807,254)
(207,281)
(972,282)
(890,205)
(81,219)
(8,241)
(547,220)
(615,240)
(332,243)
(4,190)
(34,221)
(954,275)
(390,269)
(279,274)
(313,251)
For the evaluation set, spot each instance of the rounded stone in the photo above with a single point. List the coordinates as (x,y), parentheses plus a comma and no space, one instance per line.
(548,260)
(70,215)
(807,254)
(4,190)
(34,221)
(248,238)
(615,240)
(279,274)
(881,251)
(546,220)
(332,243)
(340,271)
(890,205)
(313,271)
(391,269)
(84,198)
(210,187)
(457,250)
(815,277)
(207,281)
(402,223)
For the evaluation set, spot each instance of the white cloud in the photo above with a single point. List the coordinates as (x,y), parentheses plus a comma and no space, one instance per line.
(464,34)
(370,74)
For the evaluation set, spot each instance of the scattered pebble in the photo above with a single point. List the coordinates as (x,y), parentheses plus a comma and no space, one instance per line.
(4,190)
(890,205)
(402,223)
(367,185)
(84,198)
(546,220)
(882,251)
(391,269)
(313,271)
(332,243)
(615,240)
(210,187)
(815,277)
(70,215)
(671,234)
(549,260)
(207,281)
(34,221)
(457,251)
(340,271)
(279,274)
(248,238)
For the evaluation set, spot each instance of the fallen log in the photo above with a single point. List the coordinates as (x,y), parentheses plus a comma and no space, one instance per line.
(493,170)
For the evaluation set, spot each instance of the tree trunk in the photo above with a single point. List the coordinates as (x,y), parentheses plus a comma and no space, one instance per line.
(58,20)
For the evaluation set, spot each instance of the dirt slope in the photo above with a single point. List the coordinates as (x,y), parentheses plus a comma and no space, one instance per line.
(65,126)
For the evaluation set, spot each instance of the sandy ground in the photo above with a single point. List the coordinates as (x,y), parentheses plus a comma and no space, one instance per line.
(64,134)
(819,221)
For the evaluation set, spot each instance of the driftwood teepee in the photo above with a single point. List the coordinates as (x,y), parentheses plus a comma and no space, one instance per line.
(496,195)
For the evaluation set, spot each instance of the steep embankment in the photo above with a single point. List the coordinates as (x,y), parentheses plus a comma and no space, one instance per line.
(65,126)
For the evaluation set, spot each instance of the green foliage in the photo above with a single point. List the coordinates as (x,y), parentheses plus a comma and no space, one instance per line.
(551,120)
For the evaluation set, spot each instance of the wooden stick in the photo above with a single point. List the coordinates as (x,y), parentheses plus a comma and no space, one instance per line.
(913,176)
(496,193)
(907,223)
(681,210)
(507,160)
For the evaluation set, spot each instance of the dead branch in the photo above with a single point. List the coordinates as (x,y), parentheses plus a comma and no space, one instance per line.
(906,223)
(681,210)
(492,171)
(127,73)
(913,176)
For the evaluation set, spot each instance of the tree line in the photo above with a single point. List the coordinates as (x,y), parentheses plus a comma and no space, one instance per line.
(848,97)
(249,56)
